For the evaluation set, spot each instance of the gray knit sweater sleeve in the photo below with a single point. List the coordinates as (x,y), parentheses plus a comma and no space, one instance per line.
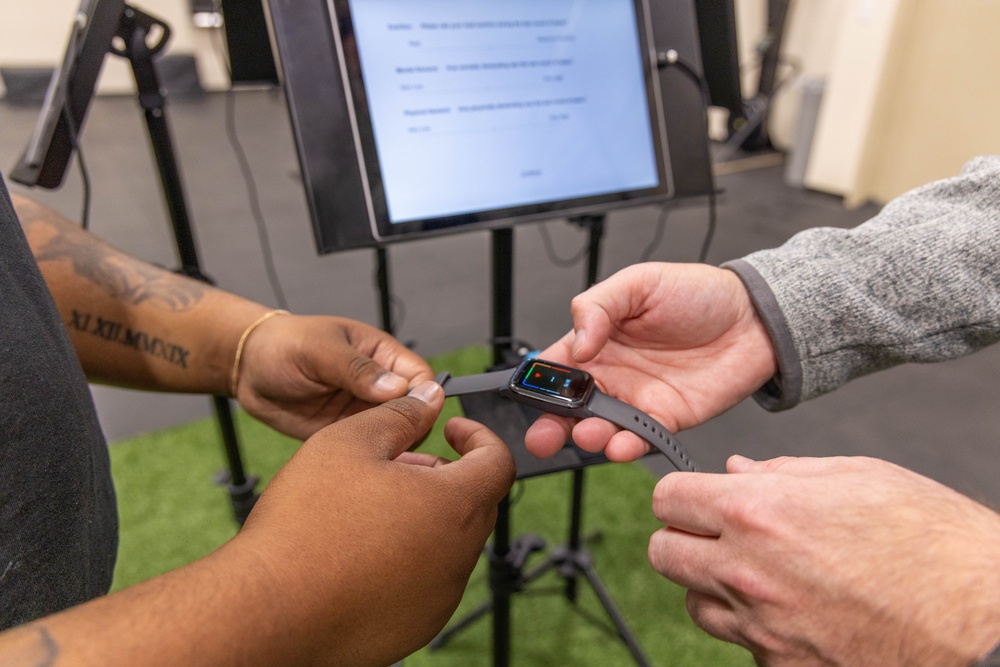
(920,282)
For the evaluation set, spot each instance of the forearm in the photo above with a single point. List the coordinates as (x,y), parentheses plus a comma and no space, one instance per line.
(920,282)
(132,323)
(234,607)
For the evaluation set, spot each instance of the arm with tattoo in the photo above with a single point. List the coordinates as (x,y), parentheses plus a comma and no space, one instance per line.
(137,325)
(132,323)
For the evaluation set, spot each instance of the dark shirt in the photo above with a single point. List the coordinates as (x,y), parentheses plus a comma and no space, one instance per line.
(58,520)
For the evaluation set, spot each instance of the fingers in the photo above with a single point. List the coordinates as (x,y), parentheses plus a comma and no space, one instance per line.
(681,557)
(550,433)
(804,466)
(386,431)
(547,435)
(421,459)
(486,462)
(625,446)
(695,502)
(714,616)
(368,380)
(369,363)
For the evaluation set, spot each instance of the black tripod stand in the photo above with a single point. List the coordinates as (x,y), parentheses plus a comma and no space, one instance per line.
(748,130)
(134,30)
(507,559)
(104,26)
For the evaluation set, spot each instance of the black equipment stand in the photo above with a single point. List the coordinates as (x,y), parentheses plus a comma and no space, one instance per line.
(104,26)
(134,30)
(750,131)
(507,559)
(385,295)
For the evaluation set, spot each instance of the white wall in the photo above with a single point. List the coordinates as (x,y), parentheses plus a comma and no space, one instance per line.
(911,96)
(911,85)
(810,35)
(33,33)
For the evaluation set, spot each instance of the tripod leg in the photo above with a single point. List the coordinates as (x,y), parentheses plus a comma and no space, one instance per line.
(445,635)
(588,571)
(576,519)
(240,487)
(134,29)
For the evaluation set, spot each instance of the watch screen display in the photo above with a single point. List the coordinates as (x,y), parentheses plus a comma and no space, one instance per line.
(551,380)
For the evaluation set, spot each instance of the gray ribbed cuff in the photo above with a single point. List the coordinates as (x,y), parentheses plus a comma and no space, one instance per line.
(784,390)
(992,659)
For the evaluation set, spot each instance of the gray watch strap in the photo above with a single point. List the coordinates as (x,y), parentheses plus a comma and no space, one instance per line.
(599,405)
(632,419)
(474,384)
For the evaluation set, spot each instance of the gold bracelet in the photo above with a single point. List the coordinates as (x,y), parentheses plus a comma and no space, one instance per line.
(243,339)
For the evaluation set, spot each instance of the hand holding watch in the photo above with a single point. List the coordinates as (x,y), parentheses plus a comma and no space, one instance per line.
(568,392)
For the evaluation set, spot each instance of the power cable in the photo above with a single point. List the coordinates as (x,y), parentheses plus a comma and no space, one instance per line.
(249,181)
(671,58)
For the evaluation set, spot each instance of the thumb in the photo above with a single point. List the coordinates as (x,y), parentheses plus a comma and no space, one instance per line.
(597,311)
(387,430)
(486,464)
(367,380)
(592,323)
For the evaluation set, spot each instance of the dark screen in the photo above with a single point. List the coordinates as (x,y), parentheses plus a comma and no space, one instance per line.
(250,57)
(555,380)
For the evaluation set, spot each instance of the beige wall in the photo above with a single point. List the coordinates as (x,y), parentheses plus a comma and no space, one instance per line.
(810,35)
(911,96)
(33,33)
(942,97)
(911,85)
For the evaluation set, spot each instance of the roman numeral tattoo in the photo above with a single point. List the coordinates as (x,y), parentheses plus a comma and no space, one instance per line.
(116,332)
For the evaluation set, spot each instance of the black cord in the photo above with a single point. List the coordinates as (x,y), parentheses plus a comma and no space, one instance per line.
(397,306)
(710,232)
(672,59)
(661,225)
(400,312)
(520,346)
(516,492)
(255,209)
(84,172)
(251,184)
(550,250)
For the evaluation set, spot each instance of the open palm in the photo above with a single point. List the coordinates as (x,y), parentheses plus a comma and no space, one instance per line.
(679,341)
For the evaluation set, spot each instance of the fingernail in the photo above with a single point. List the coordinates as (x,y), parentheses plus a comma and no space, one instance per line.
(425,391)
(580,335)
(389,382)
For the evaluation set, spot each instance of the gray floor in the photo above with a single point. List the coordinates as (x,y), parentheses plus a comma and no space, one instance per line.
(941,420)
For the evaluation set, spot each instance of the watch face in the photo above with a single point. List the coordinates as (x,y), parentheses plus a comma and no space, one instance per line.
(552,383)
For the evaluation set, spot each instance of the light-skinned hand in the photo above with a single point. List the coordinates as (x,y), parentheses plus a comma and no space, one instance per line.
(681,342)
(840,561)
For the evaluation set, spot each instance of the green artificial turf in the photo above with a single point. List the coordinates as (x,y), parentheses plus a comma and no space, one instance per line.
(172,513)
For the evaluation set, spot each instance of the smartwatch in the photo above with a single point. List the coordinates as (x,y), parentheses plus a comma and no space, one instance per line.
(568,392)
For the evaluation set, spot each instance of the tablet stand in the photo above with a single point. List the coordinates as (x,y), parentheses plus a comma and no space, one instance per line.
(507,559)
(134,30)
(112,25)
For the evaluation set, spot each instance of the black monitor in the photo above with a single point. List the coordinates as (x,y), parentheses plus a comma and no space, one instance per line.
(251,60)
(419,117)
(69,93)
(720,54)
